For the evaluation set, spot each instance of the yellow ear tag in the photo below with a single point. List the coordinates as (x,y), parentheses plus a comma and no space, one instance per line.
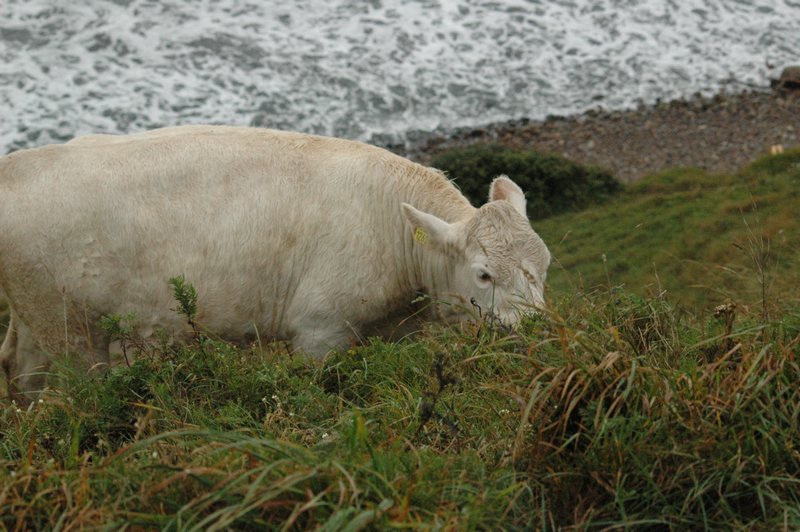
(421,236)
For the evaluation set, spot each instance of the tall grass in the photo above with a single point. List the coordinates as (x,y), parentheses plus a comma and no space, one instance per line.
(610,411)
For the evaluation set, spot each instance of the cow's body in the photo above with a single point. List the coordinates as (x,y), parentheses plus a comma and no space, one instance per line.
(284,236)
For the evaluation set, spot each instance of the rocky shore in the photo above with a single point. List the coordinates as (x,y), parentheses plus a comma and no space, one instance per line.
(720,133)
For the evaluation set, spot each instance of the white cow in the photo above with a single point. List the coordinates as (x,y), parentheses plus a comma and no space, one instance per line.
(315,240)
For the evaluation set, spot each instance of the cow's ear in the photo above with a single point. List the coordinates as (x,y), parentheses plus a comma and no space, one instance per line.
(504,189)
(430,229)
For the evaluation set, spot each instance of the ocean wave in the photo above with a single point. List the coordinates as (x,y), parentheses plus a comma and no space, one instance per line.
(378,70)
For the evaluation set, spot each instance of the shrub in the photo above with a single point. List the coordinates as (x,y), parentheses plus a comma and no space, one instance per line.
(553,184)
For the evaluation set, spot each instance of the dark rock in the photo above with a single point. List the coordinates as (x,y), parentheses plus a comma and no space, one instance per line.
(789,80)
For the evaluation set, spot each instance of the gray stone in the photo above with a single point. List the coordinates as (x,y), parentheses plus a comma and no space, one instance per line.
(789,80)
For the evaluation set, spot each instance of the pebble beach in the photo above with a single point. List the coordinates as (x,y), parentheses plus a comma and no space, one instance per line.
(719,134)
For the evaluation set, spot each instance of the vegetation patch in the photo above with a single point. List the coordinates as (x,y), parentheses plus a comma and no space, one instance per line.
(553,184)
(611,410)
(705,239)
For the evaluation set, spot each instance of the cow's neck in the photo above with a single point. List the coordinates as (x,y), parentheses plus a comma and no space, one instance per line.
(431,192)
(430,271)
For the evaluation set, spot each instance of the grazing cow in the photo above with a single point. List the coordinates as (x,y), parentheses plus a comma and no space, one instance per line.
(315,240)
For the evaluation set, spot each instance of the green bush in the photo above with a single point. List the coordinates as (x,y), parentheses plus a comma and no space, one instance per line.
(553,184)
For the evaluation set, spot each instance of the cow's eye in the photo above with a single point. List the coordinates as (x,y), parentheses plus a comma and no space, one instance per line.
(485,277)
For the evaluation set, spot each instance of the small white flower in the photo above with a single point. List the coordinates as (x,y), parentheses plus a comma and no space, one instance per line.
(41,401)
(274,397)
(13,474)
(291,414)
(154,455)
(324,435)
(504,411)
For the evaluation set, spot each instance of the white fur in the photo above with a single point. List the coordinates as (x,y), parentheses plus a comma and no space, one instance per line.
(286,236)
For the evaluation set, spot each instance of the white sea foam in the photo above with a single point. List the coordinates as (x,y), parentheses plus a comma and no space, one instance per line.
(373,69)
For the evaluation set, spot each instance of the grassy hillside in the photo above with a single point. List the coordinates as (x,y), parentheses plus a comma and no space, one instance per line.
(703,238)
(629,403)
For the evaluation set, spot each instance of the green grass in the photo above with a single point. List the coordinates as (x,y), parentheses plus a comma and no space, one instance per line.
(703,238)
(629,404)
(610,411)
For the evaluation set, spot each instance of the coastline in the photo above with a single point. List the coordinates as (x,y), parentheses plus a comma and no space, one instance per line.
(718,134)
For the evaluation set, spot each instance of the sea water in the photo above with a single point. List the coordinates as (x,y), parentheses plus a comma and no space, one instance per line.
(376,70)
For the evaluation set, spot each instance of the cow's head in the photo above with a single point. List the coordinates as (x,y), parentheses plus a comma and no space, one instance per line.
(493,261)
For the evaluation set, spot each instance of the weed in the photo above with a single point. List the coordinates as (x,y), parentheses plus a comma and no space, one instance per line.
(121,328)
(186,296)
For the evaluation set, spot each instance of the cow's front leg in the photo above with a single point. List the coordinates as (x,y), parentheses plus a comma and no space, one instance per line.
(319,339)
(25,365)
